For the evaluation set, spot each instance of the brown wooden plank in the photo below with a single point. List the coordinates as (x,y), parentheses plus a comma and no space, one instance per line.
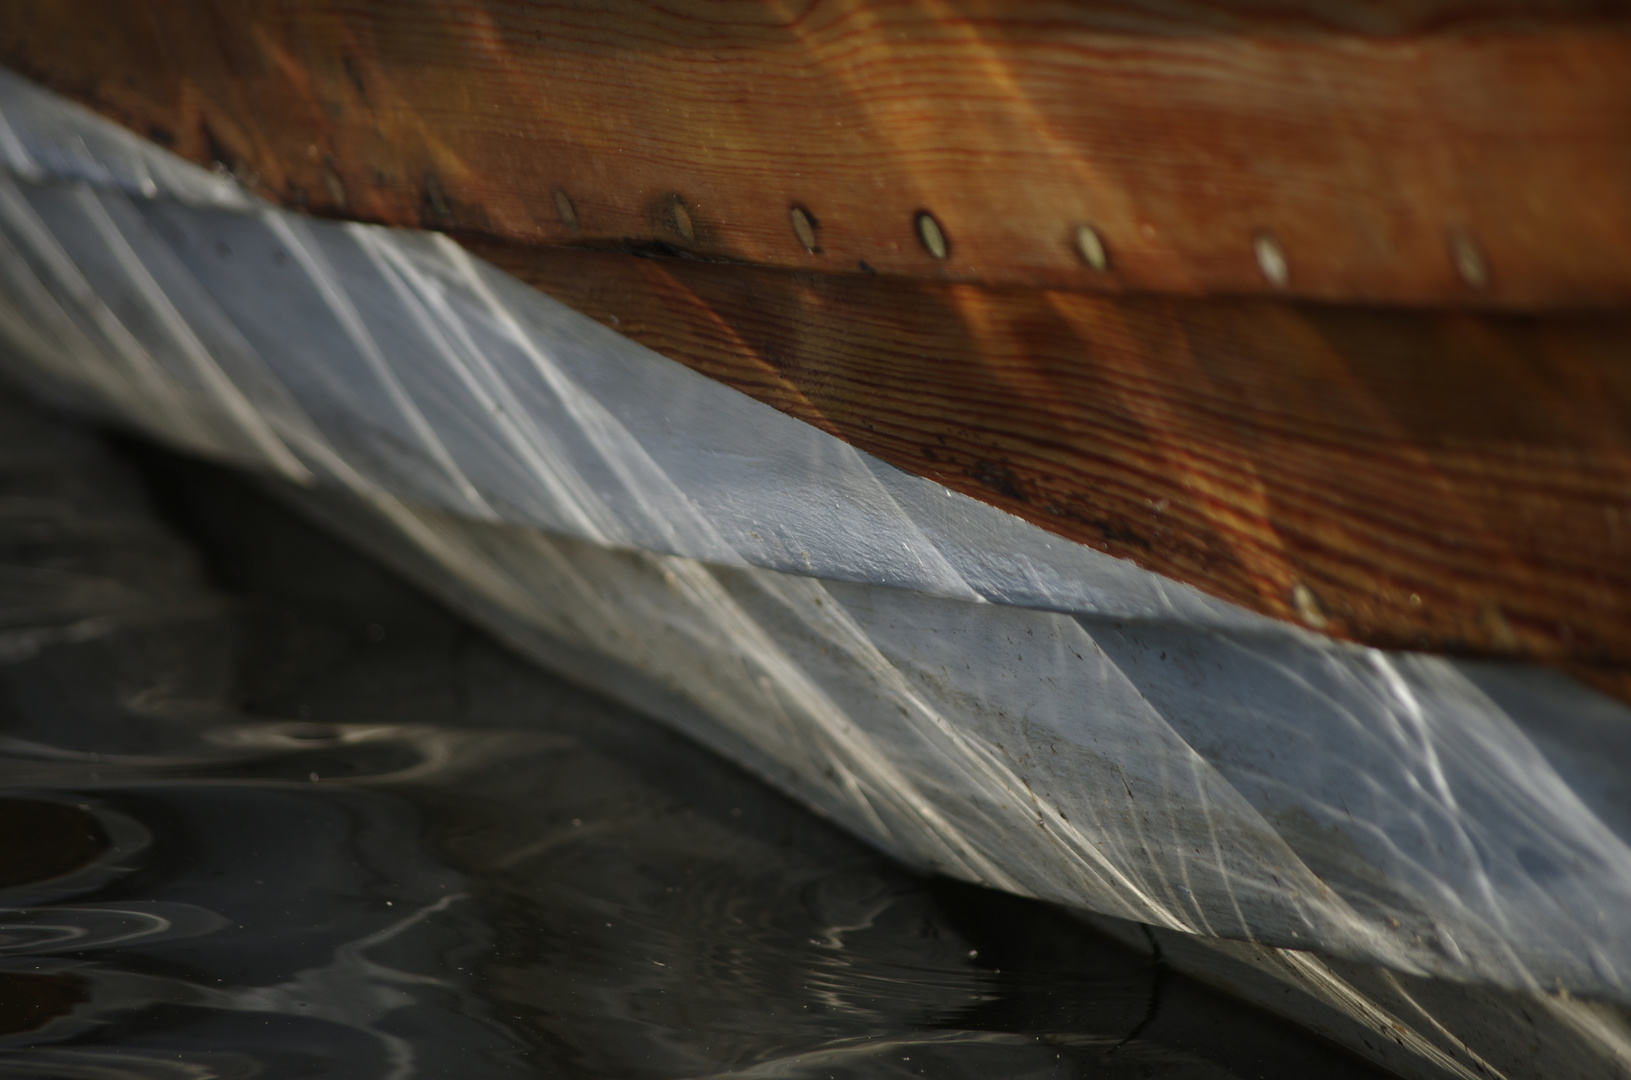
(1429,152)
(1447,481)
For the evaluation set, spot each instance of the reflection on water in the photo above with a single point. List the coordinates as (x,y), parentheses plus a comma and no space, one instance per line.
(47,839)
(266,812)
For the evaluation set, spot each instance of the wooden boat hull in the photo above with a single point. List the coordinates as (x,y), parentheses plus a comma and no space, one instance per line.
(966,689)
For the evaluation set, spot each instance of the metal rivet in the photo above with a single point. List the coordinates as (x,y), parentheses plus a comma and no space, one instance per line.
(928,231)
(1272,261)
(1498,627)
(336,189)
(565,210)
(1469,261)
(804,228)
(436,197)
(682,220)
(1307,605)
(1091,248)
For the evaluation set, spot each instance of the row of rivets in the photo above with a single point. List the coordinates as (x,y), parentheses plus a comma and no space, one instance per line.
(1464,254)
(1271,257)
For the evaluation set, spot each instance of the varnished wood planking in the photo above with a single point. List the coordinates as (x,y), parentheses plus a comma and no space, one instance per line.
(1428,479)
(1372,141)
(1433,480)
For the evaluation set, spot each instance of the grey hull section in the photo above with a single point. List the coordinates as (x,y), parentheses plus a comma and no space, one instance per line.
(969,692)
(824,689)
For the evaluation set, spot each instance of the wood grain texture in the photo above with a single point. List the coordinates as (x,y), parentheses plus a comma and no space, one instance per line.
(1424,153)
(1445,481)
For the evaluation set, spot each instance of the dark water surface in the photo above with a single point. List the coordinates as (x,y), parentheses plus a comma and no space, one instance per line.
(269,812)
